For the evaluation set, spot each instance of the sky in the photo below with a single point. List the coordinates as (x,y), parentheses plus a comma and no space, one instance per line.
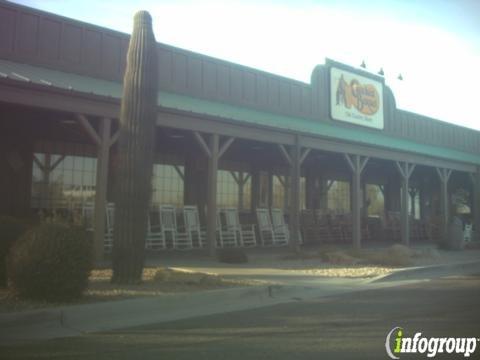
(434,44)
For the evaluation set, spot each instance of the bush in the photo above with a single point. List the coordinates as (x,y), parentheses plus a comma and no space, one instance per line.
(10,230)
(51,262)
(232,256)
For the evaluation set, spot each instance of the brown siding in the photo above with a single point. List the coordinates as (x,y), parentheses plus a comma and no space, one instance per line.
(49,39)
(39,38)
(43,39)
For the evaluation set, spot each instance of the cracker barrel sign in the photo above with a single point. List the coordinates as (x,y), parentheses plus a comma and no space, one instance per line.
(356,99)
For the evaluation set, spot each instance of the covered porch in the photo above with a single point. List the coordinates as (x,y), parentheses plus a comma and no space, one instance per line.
(327,191)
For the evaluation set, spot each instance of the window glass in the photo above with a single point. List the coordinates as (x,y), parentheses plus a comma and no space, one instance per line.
(338,197)
(167,185)
(375,200)
(62,181)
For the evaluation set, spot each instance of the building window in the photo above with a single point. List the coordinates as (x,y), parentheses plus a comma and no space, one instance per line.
(62,181)
(167,185)
(338,197)
(375,200)
(227,189)
(281,192)
(234,189)
(280,195)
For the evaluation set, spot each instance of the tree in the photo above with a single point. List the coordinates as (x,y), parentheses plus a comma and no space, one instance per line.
(135,152)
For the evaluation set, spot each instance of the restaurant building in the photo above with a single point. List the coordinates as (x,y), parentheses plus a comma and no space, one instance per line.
(333,154)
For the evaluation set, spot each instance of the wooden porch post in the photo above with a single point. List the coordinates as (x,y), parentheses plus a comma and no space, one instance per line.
(295,159)
(101,186)
(241,184)
(444,175)
(405,170)
(295,195)
(212,194)
(214,152)
(255,193)
(357,164)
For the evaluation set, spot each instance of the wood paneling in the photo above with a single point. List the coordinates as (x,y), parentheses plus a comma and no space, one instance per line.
(7,29)
(26,34)
(194,75)
(179,72)
(49,39)
(71,50)
(111,54)
(92,50)
(42,39)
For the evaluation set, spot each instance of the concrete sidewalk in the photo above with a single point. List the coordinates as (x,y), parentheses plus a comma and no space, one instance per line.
(104,316)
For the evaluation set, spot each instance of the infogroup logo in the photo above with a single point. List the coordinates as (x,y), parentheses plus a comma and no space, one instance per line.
(397,343)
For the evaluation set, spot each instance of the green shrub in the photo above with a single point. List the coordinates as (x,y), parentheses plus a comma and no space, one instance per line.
(10,230)
(232,256)
(51,262)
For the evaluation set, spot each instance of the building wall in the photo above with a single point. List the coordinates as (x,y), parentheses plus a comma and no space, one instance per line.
(43,39)
(15,174)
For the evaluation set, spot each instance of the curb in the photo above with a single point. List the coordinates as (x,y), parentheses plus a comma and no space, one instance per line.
(433,271)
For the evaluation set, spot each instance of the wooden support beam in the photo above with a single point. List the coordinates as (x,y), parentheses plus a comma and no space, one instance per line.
(103,154)
(114,137)
(349,161)
(203,144)
(225,146)
(235,177)
(304,155)
(179,172)
(294,220)
(356,211)
(241,183)
(363,163)
(329,184)
(285,154)
(357,164)
(410,169)
(444,175)
(213,150)
(57,162)
(39,163)
(405,169)
(382,189)
(85,124)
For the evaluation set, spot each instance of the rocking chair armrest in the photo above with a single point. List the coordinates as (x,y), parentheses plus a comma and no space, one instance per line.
(283,227)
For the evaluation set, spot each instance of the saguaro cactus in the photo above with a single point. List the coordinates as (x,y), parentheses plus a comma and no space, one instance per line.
(135,152)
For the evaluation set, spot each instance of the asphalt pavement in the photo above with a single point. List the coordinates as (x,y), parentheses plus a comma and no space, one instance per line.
(343,326)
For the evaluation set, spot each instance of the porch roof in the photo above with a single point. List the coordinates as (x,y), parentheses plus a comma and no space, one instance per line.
(89,85)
